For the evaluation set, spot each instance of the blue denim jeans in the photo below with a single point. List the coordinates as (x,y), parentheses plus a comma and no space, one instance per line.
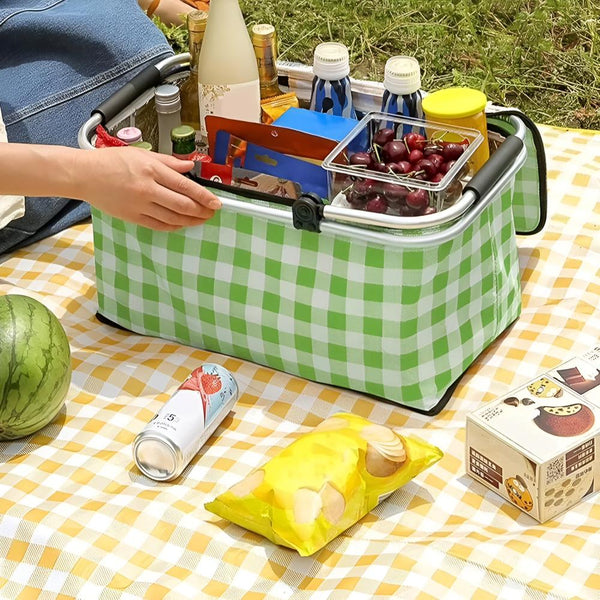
(59,59)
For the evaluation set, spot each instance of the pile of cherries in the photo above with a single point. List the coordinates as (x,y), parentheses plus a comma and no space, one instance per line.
(410,158)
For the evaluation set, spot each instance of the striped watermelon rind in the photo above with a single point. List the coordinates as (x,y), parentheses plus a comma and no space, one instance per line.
(35,366)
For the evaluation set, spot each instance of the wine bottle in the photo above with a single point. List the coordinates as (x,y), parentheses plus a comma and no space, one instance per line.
(228,80)
(190,110)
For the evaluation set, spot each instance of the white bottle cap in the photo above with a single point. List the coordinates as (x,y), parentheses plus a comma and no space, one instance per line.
(331,61)
(402,75)
(167,98)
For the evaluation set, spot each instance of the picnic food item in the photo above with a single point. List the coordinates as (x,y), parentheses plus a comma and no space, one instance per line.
(228,80)
(331,92)
(35,366)
(464,107)
(184,423)
(402,83)
(264,41)
(324,482)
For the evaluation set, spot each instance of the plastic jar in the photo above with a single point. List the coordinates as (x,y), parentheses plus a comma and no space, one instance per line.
(460,107)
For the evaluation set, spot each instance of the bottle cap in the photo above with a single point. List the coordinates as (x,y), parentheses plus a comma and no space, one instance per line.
(454,103)
(183,133)
(183,139)
(263,34)
(402,75)
(331,61)
(166,98)
(129,135)
(196,21)
(143,145)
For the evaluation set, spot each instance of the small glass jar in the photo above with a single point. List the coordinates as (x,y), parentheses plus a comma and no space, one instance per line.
(460,107)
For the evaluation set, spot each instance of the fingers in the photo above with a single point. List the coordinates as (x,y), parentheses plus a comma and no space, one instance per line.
(180,213)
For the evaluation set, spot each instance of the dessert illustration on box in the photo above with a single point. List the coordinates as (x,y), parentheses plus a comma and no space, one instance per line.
(545,388)
(518,493)
(580,378)
(565,421)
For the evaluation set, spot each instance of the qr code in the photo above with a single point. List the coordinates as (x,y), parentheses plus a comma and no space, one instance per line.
(555,470)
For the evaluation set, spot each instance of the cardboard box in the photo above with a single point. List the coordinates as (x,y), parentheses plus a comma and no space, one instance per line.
(539,446)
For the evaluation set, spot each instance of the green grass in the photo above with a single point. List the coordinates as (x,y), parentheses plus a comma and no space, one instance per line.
(542,57)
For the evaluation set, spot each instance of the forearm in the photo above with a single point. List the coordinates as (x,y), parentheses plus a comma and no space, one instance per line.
(39,170)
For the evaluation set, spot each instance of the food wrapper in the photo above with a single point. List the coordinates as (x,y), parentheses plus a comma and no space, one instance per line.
(324,482)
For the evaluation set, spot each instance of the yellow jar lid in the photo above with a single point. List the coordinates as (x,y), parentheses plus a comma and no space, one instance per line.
(454,103)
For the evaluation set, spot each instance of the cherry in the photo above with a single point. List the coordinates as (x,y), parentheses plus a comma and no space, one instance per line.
(394,192)
(415,156)
(404,166)
(417,199)
(452,151)
(426,165)
(377,203)
(355,200)
(437,178)
(436,159)
(383,136)
(363,187)
(415,141)
(361,159)
(446,166)
(395,151)
(380,166)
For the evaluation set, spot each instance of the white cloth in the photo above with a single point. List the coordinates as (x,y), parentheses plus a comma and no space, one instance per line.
(11,207)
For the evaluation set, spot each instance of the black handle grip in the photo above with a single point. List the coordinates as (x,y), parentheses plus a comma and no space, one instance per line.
(113,105)
(500,161)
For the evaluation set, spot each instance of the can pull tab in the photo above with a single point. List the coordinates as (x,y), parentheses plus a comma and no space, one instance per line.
(307,212)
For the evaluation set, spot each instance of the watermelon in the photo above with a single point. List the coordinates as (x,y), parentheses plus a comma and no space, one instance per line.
(35,366)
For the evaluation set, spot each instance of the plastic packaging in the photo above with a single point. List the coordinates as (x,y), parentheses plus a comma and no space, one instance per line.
(228,80)
(168,108)
(402,81)
(381,183)
(331,91)
(460,107)
(324,482)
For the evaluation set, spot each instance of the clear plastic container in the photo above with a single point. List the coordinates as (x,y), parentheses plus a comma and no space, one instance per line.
(400,183)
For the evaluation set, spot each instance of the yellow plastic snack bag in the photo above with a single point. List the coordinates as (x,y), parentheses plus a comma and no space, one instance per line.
(324,482)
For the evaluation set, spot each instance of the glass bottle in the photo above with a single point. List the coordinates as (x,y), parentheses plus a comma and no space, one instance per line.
(168,108)
(331,92)
(190,109)
(264,40)
(228,80)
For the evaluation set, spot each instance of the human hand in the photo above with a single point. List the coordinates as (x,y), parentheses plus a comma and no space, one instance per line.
(144,187)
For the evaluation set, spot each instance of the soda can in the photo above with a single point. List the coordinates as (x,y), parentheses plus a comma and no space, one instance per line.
(182,426)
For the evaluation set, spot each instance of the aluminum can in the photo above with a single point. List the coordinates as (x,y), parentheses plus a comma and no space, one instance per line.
(182,426)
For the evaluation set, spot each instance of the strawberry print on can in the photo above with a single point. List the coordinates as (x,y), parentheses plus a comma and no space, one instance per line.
(183,425)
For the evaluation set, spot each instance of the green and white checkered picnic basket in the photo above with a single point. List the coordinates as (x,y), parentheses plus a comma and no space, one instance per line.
(398,315)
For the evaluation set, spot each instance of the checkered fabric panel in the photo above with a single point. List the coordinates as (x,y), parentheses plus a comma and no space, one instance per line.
(526,201)
(398,323)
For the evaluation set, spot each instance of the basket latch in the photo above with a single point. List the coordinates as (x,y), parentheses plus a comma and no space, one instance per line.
(307,211)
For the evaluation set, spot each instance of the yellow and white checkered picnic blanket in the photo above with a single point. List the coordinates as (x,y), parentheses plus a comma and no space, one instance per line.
(78,520)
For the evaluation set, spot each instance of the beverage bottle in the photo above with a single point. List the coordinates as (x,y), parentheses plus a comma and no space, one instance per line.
(402,82)
(168,110)
(264,40)
(130,135)
(228,80)
(331,91)
(190,108)
(183,144)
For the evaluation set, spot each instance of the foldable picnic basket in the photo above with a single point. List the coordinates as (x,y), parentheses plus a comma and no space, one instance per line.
(397,314)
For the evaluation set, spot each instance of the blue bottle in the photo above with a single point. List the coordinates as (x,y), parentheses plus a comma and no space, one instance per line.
(331,93)
(402,83)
